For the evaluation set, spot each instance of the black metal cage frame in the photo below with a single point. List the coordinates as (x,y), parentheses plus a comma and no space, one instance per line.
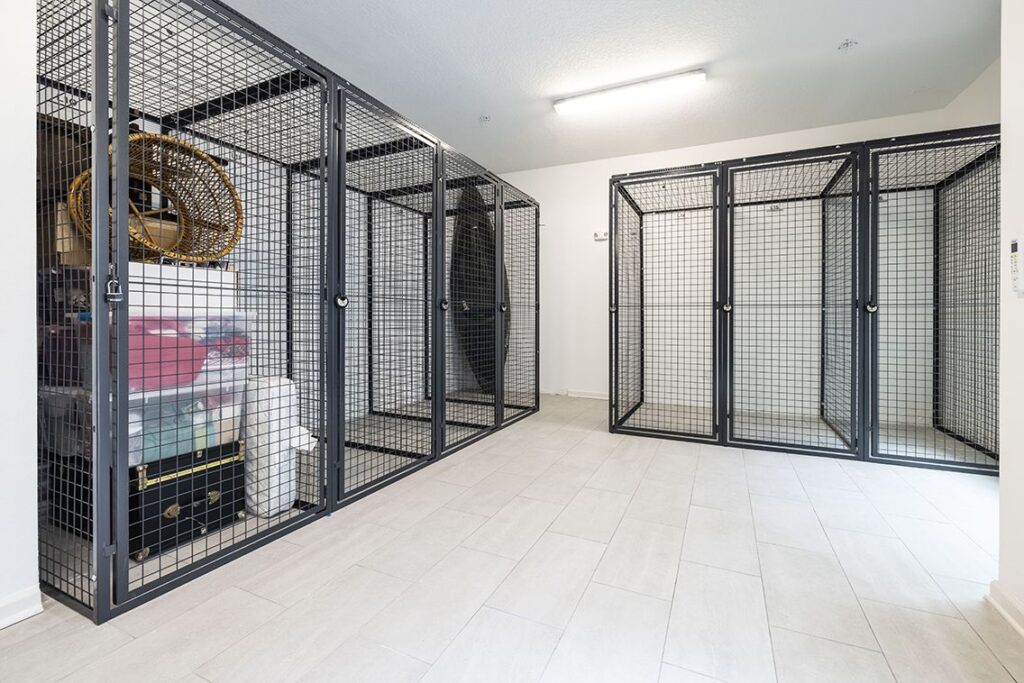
(789,281)
(395,283)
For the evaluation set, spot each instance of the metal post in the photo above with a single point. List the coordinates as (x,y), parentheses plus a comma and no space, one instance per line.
(333,458)
(440,305)
(499,305)
(119,251)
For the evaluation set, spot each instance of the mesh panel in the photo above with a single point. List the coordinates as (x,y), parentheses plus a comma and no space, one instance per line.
(677,298)
(937,226)
(387,342)
(777,294)
(225,355)
(839,376)
(64,150)
(471,352)
(628,284)
(520,252)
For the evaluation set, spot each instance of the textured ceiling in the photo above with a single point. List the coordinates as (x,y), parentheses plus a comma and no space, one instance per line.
(773,65)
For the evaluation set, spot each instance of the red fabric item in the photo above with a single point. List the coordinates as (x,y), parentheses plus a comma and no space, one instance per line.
(161,354)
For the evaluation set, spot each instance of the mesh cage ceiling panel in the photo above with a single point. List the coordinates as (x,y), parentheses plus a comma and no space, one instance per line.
(806,180)
(388,248)
(918,166)
(670,194)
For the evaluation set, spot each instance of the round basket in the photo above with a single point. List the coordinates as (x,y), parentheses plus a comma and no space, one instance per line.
(202,220)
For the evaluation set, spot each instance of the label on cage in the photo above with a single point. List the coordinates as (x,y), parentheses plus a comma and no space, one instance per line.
(1015,282)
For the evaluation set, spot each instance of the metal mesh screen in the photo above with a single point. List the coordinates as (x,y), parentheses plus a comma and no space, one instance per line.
(520,230)
(387,255)
(221,356)
(936,230)
(677,267)
(64,108)
(839,374)
(777,294)
(627,287)
(471,349)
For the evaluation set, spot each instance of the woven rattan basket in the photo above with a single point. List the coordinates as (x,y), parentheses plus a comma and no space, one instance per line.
(202,220)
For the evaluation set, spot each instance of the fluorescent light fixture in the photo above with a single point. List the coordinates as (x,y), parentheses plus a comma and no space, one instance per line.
(645,92)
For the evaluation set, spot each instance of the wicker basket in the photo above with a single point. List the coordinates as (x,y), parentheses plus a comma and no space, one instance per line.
(203,220)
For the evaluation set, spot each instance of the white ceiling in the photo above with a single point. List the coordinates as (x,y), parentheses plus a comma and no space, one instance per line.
(773,65)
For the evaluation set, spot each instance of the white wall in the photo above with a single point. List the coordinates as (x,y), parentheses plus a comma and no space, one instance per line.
(1008,591)
(19,578)
(574,205)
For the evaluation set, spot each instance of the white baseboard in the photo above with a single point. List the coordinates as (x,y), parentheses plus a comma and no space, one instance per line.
(1008,605)
(588,394)
(20,605)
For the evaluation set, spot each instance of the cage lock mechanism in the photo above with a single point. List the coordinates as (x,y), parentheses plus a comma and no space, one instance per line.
(503,307)
(727,308)
(444,304)
(871,307)
(613,309)
(341,301)
(113,293)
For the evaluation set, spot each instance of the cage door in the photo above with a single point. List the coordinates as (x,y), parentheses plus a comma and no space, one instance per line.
(664,338)
(474,357)
(791,297)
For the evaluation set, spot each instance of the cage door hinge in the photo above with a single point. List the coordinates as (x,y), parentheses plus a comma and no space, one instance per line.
(109,550)
(110,11)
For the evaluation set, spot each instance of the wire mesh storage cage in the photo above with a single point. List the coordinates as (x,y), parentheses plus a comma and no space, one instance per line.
(935,288)
(838,301)
(245,267)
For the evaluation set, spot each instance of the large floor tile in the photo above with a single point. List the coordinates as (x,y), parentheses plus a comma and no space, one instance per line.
(674,462)
(548,583)
(642,557)
(491,494)
(593,514)
(789,523)
(622,471)
(824,473)
(432,612)
(719,626)
(64,649)
(800,658)
(557,484)
(294,640)
(971,599)
(780,482)
(362,660)
(414,502)
(930,648)
(721,490)
(178,647)
(661,502)
(721,539)
(808,592)
(513,530)
(891,494)
(945,550)
(498,648)
(631,651)
(882,569)
(412,553)
(311,568)
(848,510)
(674,674)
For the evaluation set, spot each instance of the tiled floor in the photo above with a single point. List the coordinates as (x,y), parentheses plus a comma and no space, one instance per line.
(555,551)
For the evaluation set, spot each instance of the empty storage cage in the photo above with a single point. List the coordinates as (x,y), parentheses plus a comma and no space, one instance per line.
(245,267)
(840,301)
